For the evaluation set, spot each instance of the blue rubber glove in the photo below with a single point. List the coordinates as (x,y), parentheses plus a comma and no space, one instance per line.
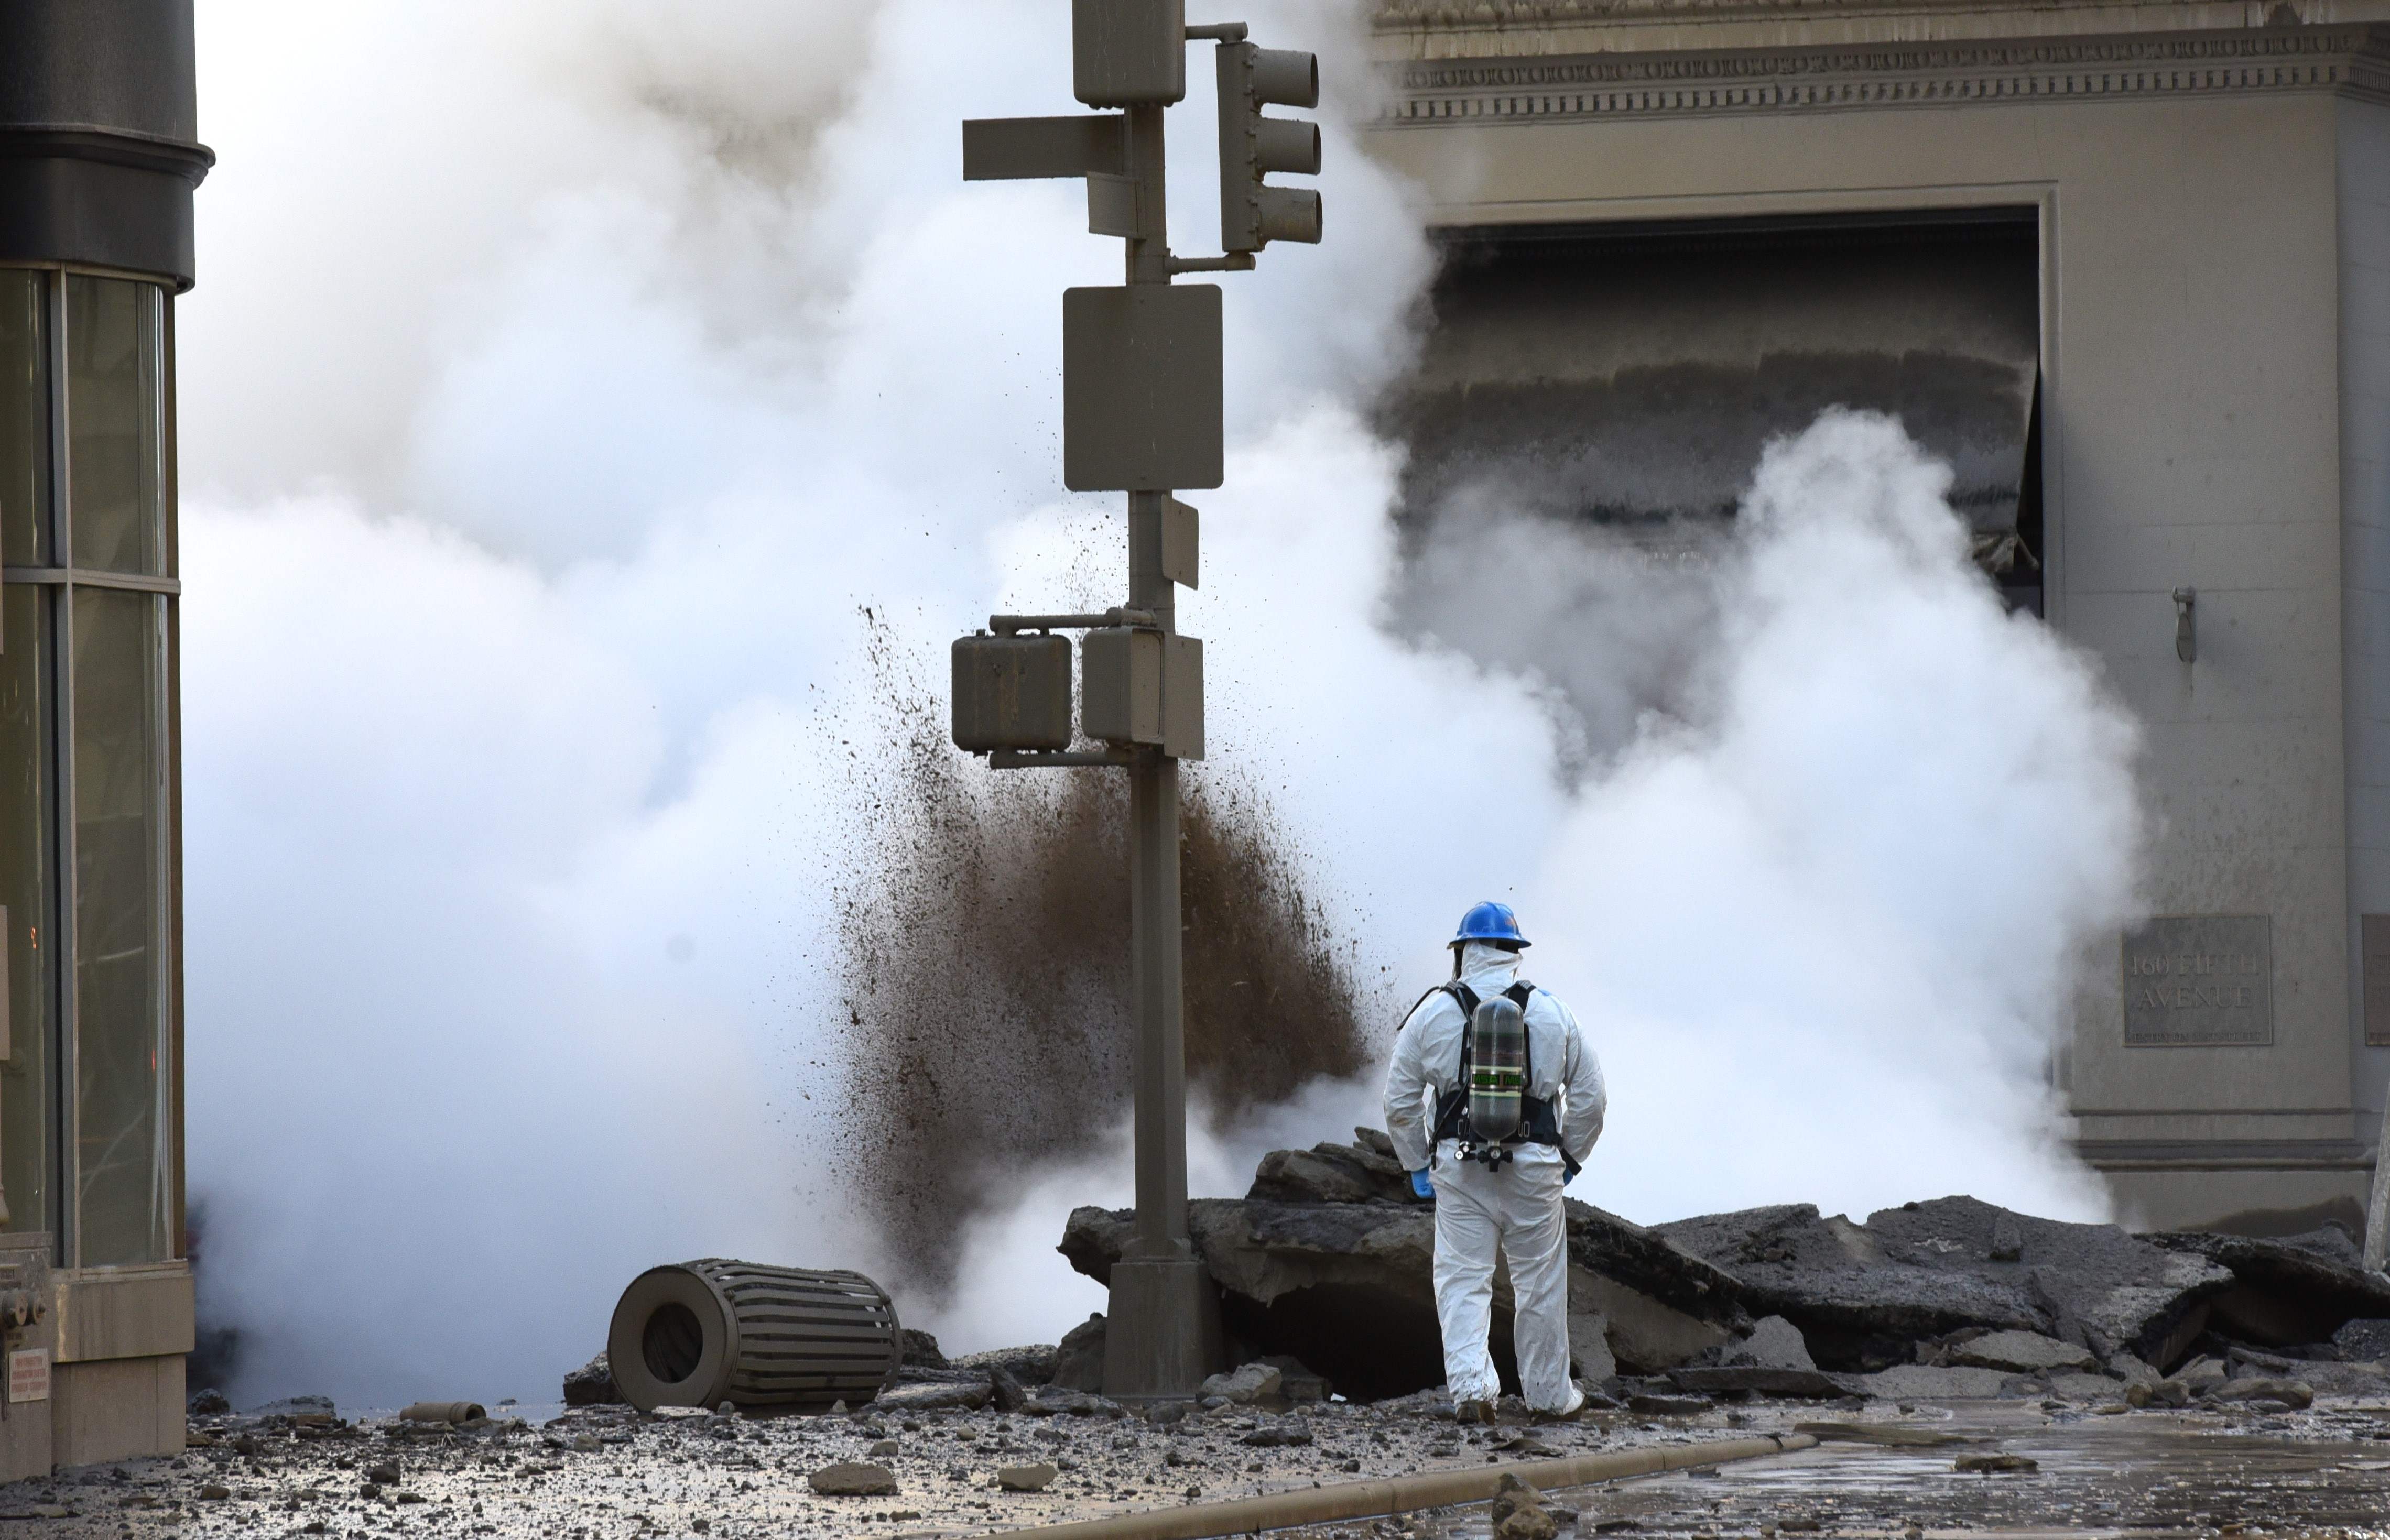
(1420,1184)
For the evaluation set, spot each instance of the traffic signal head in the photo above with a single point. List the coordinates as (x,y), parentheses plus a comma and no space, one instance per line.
(1254,214)
(1128,53)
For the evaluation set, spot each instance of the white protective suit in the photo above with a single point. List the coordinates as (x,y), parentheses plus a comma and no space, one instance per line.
(1516,1205)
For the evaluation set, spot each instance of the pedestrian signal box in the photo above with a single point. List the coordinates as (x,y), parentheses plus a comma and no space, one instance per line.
(1138,687)
(1012,692)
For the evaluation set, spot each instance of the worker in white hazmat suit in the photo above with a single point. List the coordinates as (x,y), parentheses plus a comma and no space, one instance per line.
(1504,1191)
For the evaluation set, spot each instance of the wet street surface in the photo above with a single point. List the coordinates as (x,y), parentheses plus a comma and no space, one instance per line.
(2142,1473)
(611,1474)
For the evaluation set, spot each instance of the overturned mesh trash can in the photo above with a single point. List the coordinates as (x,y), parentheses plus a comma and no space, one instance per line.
(700,1333)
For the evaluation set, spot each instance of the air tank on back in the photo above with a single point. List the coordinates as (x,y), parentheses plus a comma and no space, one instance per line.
(1498,1069)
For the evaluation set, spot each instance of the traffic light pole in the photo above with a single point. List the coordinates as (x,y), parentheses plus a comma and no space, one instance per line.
(1162,1332)
(1141,414)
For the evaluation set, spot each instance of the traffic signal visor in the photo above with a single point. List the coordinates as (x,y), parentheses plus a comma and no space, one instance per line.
(1252,212)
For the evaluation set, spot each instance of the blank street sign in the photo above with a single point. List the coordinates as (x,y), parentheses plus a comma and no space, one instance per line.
(1141,388)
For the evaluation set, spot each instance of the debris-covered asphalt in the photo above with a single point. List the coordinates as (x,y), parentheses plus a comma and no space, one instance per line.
(606,1472)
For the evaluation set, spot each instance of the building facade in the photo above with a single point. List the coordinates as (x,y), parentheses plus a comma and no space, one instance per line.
(2152,237)
(98,160)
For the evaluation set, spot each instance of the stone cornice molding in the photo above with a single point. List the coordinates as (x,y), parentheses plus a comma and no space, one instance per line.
(1484,16)
(2352,61)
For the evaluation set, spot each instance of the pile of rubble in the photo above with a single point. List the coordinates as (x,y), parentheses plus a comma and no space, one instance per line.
(1324,1268)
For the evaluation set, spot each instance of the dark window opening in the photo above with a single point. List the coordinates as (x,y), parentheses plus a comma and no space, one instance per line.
(1631,374)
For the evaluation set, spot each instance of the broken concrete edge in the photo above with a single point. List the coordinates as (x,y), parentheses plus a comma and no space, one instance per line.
(1379,1499)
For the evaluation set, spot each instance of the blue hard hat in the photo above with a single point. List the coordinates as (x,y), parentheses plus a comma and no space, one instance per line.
(1490,921)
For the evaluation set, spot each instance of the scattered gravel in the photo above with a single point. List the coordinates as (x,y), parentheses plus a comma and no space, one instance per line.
(609,1473)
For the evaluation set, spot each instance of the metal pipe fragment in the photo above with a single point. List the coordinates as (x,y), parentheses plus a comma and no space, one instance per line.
(443,1411)
(1005,625)
(1380,1499)
(1016,759)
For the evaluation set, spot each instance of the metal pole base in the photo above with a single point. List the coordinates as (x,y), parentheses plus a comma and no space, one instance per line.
(1150,1355)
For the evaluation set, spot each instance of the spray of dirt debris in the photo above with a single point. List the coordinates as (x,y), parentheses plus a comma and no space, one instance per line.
(985,928)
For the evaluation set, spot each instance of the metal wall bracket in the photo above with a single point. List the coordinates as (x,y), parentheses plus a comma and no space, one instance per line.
(1235,262)
(1014,759)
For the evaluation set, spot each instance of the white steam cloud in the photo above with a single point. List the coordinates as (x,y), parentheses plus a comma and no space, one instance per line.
(560,383)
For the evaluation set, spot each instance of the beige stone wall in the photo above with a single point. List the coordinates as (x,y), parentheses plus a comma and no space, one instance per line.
(116,1408)
(2364,201)
(2216,356)
(117,1389)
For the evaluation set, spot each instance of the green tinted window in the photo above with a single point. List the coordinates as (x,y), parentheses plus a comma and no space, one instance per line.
(25,417)
(115,470)
(124,1116)
(89,1148)
(27,814)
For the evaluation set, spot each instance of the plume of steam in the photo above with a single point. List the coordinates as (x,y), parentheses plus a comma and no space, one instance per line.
(1853,873)
(531,485)
(1822,899)
(530,496)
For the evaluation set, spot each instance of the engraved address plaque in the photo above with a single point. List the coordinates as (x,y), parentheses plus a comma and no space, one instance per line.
(2200,981)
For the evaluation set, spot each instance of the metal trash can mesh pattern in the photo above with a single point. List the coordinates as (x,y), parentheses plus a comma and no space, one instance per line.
(794,1337)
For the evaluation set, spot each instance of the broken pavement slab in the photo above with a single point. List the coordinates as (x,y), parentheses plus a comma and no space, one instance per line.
(935,1396)
(1356,1173)
(1923,1382)
(2076,1386)
(1348,1286)
(1862,1293)
(1771,1360)
(2371,1380)
(2363,1340)
(2020,1353)
(1025,1478)
(1251,1383)
(1330,1263)
(592,1385)
(1079,1358)
(1809,1383)
(2285,1292)
(854,1478)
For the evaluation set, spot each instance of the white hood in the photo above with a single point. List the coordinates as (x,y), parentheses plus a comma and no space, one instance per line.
(1487,970)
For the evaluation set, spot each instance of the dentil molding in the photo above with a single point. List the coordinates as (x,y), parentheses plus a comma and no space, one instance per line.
(2350,60)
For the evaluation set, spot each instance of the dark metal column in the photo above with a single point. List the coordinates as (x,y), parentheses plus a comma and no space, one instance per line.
(98,135)
(1141,411)
(1161,1331)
